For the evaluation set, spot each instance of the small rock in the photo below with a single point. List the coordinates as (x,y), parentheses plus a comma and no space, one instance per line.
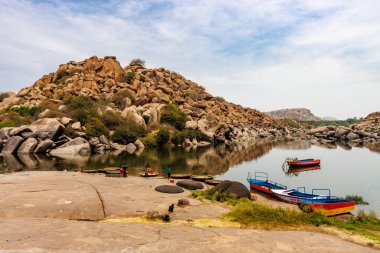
(183,202)
(131,148)
(76,126)
(103,139)
(65,120)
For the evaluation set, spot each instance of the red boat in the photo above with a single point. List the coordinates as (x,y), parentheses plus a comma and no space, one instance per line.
(303,163)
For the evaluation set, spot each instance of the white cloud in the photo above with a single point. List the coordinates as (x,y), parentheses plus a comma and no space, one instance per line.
(323,55)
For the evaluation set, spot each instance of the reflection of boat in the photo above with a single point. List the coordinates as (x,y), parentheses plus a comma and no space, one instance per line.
(328,207)
(261,183)
(180,176)
(108,169)
(296,170)
(201,177)
(302,163)
(154,174)
(213,182)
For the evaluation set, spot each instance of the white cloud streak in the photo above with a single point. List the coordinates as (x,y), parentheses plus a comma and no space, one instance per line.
(322,55)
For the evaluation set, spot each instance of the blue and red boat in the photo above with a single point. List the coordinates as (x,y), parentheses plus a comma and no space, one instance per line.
(261,183)
(303,163)
(326,204)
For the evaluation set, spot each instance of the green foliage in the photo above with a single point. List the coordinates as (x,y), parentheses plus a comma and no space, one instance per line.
(150,140)
(219,197)
(292,123)
(142,78)
(61,75)
(25,111)
(118,98)
(163,136)
(6,124)
(128,132)
(180,136)
(129,77)
(347,122)
(112,120)
(137,62)
(173,116)
(82,109)
(358,199)
(14,119)
(95,128)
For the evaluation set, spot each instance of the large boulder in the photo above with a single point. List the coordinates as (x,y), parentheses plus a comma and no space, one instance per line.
(76,146)
(131,148)
(232,188)
(9,101)
(131,114)
(190,185)
(352,136)
(139,144)
(50,128)
(28,146)
(43,146)
(12,145)
(4,133)
(19,130)
(169,189)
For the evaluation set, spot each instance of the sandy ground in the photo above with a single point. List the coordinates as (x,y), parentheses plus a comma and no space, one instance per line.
(59,212)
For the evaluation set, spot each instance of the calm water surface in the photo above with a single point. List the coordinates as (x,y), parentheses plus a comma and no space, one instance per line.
(344,170)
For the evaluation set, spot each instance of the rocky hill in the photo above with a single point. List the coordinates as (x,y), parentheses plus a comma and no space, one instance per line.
(301,114)
(107,92)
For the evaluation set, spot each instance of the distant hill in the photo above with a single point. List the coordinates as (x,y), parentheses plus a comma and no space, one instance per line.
(329,118)
(302,114)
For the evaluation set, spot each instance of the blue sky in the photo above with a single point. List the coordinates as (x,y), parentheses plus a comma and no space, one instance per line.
(322,55)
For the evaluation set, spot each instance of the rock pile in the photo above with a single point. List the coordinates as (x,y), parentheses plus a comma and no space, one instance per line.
(302,114)
(152,89)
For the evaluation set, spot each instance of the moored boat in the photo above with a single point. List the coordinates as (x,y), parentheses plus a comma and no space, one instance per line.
(89,171)
(295,196)
(108,169)
(302,163)
(154,174)
(113,174)
(201,177)
(329,207)
(213,181)
(261,183)
(180,176)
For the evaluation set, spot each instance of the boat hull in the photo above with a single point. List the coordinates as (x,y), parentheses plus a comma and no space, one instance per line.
(265,187)
(303,163)
(331,208)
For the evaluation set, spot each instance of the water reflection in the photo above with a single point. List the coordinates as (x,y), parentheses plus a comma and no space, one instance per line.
(295,171)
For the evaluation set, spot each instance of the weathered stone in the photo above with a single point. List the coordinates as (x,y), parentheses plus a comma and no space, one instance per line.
(203,144)
(19,130)
(191,125)
(76,146)
(65,121)
(183,202)
(62,108)
(187,143)
(131,114)
(76,126)
(131,148)
(190,185)
(169,189)
(352,136)
(49,126)
(12,145)
(139,144)
(94,141)
(235,189)
(28,146)
(43,146)
(103,139)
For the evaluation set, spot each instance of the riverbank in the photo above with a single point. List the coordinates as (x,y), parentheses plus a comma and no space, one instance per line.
(39,207)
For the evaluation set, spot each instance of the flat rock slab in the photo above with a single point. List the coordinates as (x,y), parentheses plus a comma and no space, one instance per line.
(190,185)
(55,235)
(80,196)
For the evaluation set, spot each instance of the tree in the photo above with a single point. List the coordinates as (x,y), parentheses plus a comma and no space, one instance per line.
(137,62)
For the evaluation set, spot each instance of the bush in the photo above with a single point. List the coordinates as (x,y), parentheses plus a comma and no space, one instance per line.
(142,78)
(180,136)
(82,109)
(95,128)
(118,98)
(124,136)
(173,116)
(112,120)
(13,119)
(150,140)
(26,111)
(62,76)
(129,77)
(137,62)
(162,137)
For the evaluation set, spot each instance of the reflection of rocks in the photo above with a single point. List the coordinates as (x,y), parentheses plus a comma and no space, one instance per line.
(28,160)
(296,145)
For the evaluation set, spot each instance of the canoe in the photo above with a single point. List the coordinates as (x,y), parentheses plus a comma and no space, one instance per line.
(294,196)
(201,178)
(301,163)
(328,207)
(89,171)
(154,174)
(261,184)
(180,176)
(213,181)
(108,169)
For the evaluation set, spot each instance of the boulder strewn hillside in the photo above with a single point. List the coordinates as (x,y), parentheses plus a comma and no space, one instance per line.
(301,114)
(134,93)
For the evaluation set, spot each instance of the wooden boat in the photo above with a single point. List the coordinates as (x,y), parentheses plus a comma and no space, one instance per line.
(201,178)
(180,176)
(213,181)
(296,170)
(154,174)
(328,207)
(89,171)
(261,183)
(303,163)
(108,169)
(113,174)
(295,196)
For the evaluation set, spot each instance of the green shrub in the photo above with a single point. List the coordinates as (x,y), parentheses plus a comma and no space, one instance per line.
(150,140)
(26,111)
(124,136)
(129,77)
(142,78)
(112,120)
(61,76)
(82,109)
(173,116)
(162,137)
(95,128)
(137,62)
(180,136)
(118,98)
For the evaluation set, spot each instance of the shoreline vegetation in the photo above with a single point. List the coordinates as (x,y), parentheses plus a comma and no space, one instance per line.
(257,215)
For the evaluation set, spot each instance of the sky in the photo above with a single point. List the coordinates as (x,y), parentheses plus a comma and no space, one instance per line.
(268,55)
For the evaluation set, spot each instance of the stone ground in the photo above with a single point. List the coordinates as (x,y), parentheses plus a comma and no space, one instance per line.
(58,212)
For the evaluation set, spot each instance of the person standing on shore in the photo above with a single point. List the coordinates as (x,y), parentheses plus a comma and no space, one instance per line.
(169,171)
(125,172)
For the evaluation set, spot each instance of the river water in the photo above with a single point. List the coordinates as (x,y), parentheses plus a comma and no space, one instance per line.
(344,170)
